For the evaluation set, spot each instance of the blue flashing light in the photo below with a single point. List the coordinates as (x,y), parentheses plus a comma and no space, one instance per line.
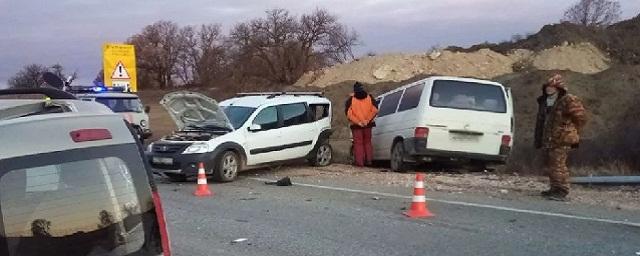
(99,89)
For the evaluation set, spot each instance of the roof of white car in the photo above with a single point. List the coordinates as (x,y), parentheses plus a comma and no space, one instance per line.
(464,79)
(43,133)
(78,106)
(257,101)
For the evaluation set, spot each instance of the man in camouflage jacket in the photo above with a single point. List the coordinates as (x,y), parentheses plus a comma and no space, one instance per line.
(561,118)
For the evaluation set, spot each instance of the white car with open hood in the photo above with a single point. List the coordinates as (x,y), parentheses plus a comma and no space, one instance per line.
(250,130)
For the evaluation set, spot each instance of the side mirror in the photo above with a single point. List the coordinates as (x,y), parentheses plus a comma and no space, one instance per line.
(255,128)
(147,109)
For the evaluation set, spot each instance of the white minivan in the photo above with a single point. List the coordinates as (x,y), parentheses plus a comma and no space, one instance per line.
(444,118)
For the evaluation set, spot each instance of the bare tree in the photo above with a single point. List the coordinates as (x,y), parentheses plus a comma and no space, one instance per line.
(157,53)
(106,219)
(593,13)
(41,228)
(29,77)
(281,47)
(202,56)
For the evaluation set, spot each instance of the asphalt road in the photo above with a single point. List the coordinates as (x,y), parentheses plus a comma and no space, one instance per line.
(317,217)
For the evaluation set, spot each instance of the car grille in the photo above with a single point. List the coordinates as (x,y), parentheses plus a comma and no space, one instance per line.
(169,148)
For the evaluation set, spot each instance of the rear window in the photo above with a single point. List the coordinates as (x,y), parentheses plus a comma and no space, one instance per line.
(467,95)
(120,105)
(63,204)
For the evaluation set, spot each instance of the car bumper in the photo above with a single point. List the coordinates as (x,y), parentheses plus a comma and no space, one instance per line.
(417,149)
(185,164)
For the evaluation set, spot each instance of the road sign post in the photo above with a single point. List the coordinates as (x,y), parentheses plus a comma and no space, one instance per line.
(119,64)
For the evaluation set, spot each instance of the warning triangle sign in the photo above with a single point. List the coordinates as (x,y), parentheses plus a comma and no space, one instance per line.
(120,72)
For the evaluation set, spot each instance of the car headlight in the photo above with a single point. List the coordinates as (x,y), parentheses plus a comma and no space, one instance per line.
(143,123)
(197,148)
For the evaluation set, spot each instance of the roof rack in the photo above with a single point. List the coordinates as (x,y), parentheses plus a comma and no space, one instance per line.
(49,92)
(275,94)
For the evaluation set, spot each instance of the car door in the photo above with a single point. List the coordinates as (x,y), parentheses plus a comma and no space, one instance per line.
(263,144)
(298,132)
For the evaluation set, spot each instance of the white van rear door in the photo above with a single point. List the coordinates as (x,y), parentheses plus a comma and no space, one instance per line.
(467,117)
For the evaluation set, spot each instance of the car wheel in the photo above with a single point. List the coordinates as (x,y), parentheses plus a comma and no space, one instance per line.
(173,177)
(228,166)
(398,157)
(323,155)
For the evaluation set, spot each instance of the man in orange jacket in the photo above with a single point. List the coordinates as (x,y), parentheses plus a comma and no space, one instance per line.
(361,110)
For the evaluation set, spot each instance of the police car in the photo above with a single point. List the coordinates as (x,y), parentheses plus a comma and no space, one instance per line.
(128,105)
(244,132)
(73,180)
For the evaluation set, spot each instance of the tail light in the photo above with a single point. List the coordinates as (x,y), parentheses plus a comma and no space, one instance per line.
(164,233)
(83,135)
(421,132)
(506,140)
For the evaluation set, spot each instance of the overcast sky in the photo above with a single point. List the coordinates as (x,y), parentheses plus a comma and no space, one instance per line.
(71,32)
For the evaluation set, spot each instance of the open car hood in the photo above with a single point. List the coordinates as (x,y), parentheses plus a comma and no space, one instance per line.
(189,109)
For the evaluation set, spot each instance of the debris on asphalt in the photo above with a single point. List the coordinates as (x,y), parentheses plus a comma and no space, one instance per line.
(248,199)
(239,240)
(504,191)
(375,198)
(309,200)
(512,220)
(243,221)
(638,253)
(286,181)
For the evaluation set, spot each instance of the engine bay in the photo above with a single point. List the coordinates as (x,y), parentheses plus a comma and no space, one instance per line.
(193,135)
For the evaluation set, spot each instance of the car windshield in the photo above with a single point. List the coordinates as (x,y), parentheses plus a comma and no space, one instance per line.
(120,105)
(238,115)
(468,95)
(96,199)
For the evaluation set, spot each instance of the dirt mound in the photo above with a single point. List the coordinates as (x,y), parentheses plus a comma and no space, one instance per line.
(398,67)
(582,58)
(483,63)
(549,36)
(611,100)
(623,41)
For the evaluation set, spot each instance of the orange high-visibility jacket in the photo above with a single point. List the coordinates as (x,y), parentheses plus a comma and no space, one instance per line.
(361,110)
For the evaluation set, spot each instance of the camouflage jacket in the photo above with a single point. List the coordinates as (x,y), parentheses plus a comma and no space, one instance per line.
(560,127)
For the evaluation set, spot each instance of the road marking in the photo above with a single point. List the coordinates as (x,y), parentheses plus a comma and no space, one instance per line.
(486,206)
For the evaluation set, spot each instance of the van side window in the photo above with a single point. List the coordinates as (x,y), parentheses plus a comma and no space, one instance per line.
(294,114)
(411,98)
(390,104)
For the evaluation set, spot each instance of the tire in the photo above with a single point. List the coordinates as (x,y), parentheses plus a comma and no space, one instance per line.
(322,155)
(227,167)
(397,163)
(176,177)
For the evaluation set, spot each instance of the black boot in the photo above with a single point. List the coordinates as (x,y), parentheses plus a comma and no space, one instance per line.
(558,195)
(547,193)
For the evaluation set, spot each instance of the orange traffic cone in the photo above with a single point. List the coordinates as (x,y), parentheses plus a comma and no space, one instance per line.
(418,203)
(202,188)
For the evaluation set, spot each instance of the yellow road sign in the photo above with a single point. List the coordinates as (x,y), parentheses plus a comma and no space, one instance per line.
(119,64)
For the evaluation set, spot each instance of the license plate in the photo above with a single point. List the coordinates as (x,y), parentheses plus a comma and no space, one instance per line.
(465,138)
(163,160)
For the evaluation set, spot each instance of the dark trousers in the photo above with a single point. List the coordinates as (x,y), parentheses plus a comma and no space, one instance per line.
(362,149)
